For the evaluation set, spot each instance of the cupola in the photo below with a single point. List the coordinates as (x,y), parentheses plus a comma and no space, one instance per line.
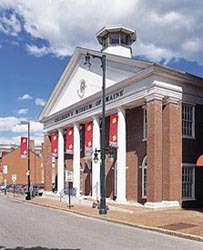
(117,40)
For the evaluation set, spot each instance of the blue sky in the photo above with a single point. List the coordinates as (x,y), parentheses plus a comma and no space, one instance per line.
(38,37)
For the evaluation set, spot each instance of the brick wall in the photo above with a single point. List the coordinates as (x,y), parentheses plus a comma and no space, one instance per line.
(154,151)
(47,163)
(172,152)
(19,166)
(136,151)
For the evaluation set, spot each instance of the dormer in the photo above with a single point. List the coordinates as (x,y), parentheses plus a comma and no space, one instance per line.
(117,40)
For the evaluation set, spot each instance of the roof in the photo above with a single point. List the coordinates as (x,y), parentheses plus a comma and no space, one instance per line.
(79,52)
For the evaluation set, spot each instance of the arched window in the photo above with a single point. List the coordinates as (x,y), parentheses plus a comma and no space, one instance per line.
(144,178)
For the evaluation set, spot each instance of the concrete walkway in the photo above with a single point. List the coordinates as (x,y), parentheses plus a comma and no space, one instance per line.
(179,222)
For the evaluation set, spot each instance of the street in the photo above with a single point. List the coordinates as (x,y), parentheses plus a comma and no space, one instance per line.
(26,225)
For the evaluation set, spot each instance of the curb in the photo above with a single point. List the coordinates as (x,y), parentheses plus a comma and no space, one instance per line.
(153,229)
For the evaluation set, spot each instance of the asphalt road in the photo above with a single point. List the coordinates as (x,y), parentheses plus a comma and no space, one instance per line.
(25,225)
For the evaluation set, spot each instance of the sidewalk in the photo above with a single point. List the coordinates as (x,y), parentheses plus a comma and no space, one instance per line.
(178,222)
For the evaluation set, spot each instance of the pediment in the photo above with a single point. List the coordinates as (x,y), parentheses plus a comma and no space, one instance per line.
(79,82)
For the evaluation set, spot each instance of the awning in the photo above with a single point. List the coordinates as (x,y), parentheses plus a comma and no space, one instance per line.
(200,161)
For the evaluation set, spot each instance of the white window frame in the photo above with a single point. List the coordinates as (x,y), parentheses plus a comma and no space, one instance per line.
(144,173)
(189,166)
(192,136)
(144,124)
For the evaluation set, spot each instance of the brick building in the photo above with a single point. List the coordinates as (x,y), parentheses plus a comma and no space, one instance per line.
(5,149)
(13,165)
(159,130)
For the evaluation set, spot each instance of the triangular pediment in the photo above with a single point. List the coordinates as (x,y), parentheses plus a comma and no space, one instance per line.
(79,82)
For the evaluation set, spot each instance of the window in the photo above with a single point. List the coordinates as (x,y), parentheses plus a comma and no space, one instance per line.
(144,178)
(144,124)
(188,121)
(105,41)
(188,182)
(114,39)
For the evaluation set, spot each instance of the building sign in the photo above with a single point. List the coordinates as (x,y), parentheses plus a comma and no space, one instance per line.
(109,98)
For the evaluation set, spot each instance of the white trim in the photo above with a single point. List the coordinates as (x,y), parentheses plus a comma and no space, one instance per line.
(192,166)
(188,165)
(144,124)
(76,159)
(193,121)
(60,165)
(162,205)
(96,165)
(121,156)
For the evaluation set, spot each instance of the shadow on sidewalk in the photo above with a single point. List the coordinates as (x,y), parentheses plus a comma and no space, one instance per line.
(37,248)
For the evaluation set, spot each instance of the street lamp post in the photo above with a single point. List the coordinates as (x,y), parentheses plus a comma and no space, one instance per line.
(29,196)
(102,206)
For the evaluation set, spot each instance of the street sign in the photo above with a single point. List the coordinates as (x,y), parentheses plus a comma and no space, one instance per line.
(14,177)
(69,175)
(5,169)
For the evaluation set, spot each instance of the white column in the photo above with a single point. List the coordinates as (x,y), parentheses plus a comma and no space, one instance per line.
(60,175)
(96,166)
(76,160)
(121,157)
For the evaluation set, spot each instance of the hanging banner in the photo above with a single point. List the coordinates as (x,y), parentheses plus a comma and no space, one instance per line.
(113,130)
(23,147)
(54,144)
(69,140)
(88,136)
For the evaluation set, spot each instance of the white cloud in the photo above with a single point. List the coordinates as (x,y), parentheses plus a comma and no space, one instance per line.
(7,123)
(11,130)
(10,25)
(25,97)
(40,102)
(23,111)
(35,127)
(170,30)
(34,50)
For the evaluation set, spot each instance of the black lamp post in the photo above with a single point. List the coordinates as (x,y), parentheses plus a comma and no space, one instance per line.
(29,195)
(102,206)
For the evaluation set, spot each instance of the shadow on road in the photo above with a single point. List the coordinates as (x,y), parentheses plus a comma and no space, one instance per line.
(37,248)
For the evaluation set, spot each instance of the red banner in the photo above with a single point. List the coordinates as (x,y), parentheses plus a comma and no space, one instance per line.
(69,140)
(88,136)
(113,130)
(23,147)
(54,144)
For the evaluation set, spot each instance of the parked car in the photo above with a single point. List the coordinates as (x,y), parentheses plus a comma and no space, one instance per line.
(35,189)
(38,189)
(2,187)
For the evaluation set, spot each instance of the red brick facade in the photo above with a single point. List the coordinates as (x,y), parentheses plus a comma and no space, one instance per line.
(17,166)
(47,163)
(154,151)
(163,148)
(172,152)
